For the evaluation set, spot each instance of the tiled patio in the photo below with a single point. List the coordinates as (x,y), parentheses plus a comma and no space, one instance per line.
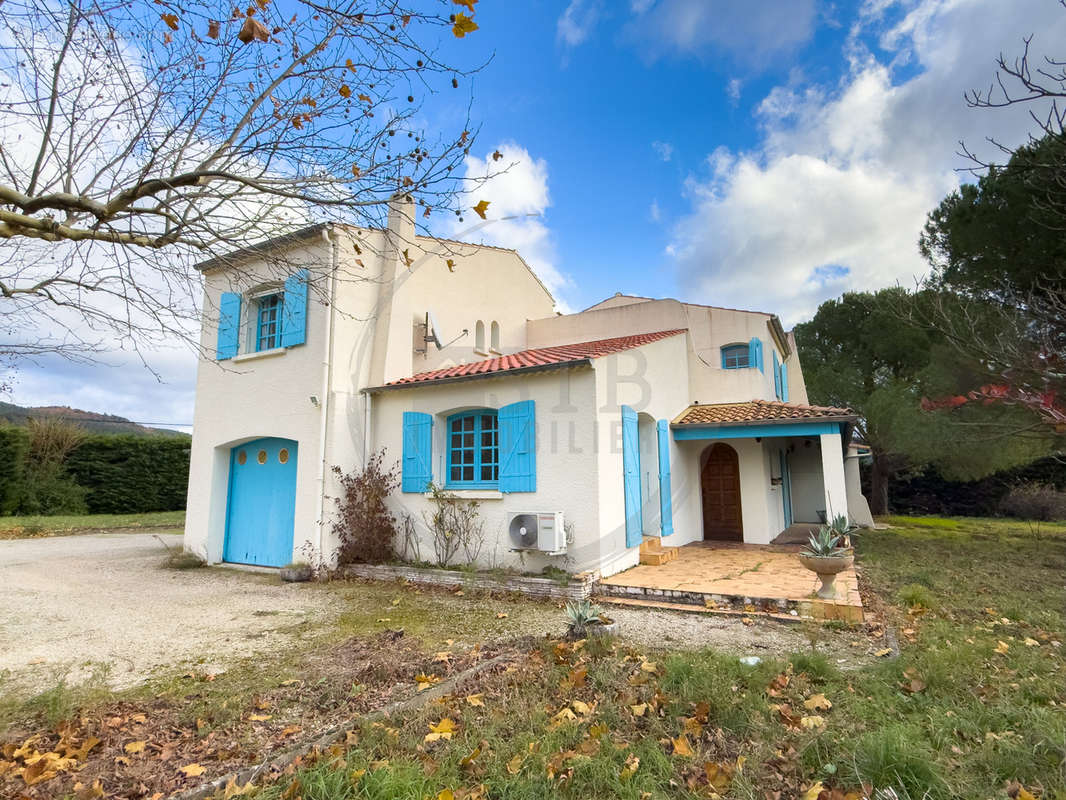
(726,576)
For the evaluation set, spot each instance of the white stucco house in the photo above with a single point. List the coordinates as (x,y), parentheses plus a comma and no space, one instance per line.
(636,419)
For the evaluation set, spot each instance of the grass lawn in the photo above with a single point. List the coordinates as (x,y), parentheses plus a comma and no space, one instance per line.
(32,527)
(972,707)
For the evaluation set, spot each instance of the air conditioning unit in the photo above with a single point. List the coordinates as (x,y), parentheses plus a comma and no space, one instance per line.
(537,530)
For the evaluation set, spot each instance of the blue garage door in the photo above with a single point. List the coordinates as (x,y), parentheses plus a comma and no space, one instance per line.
(262,503)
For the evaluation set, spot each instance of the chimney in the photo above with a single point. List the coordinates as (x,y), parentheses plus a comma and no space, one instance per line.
(401,222)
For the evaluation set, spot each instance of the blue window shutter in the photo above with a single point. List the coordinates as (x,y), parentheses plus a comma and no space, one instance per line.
(229,325)
(666,502)
(777,377)
(294,310)
(417,467)
(518,447)
(784,382)
(755,354)
(631,477)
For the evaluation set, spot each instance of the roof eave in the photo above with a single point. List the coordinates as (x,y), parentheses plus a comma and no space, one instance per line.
(507,373)
(264,246)
(849,419)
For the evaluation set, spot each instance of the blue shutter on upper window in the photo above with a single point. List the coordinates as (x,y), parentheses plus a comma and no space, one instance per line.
(416,471)
(294,310)
(631,477)
(666,501)
(777,377)
(229,325)
(518,447)
(784,382)
(755,353)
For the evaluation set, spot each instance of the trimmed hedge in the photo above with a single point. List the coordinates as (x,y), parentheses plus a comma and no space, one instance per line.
(14,442)
(128,474)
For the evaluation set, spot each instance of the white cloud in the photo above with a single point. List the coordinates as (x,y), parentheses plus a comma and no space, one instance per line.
(835,196)
(664,150)
(750,32)
(654,211)
(577,21)
(517,188)
(732,89)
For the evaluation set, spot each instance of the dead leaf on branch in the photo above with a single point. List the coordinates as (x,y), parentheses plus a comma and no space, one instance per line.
(481,208)
(171,20)
(253,31)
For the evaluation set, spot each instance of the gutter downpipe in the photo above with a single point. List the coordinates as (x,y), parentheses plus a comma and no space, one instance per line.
(327,386)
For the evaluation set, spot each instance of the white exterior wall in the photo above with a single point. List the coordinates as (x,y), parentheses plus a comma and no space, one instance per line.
(566,459)
(652,380)
(709,329)
(858,507)
(808,491)
(836,496)
(256,395)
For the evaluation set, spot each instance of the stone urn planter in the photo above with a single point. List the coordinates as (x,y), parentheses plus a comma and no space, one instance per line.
(296,573)
(827,568)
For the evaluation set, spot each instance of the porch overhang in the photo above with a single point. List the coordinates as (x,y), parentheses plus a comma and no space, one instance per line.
(765,429)
(759,419)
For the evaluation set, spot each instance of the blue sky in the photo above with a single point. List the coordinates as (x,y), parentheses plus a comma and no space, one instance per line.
(764,154)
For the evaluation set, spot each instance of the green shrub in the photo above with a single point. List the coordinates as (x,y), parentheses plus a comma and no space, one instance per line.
(914,595)
(47,488)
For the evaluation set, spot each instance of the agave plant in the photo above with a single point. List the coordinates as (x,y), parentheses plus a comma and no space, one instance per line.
(825,543)
(840,525)
(580,614)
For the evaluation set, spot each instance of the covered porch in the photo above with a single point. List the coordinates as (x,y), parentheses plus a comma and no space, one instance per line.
(734,577)
(761,472)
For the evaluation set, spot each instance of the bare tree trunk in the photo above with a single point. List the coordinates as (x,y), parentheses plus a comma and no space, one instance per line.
(879,475)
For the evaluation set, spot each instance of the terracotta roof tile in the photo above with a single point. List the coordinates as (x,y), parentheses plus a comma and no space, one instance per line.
(756,411)
(539,357)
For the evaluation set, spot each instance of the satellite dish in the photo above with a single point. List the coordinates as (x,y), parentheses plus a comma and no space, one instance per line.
(432,330)
(523,531)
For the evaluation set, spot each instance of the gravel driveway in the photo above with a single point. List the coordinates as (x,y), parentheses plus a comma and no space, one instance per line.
(70,604)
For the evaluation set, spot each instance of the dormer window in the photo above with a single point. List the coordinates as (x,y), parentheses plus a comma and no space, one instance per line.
(736,356)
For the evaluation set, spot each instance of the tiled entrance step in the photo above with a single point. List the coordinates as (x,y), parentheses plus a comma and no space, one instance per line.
(654,554)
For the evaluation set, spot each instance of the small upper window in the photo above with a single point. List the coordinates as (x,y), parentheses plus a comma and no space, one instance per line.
(268,322)
(736,356)
(479,336)
(473,449)
(494,336)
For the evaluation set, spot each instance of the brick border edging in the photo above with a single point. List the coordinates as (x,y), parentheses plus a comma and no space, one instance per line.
(278,763)
(578,588)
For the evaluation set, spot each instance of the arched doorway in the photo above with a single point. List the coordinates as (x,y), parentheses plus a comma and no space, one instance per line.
(720,490)
(262,503)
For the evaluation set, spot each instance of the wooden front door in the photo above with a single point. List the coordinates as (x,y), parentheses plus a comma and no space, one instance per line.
(720,487)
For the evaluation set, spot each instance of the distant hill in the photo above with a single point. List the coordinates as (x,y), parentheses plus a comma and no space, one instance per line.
(90,420)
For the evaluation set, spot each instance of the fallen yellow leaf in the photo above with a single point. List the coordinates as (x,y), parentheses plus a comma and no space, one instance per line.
(192,770)
(135,747)
(817,702)
(474,700)
(681,746)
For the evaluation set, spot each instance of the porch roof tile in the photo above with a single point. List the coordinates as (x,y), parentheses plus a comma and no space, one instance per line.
(755,411)
(541,357)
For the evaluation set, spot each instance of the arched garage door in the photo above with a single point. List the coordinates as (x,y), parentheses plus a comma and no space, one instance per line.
(262,503)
